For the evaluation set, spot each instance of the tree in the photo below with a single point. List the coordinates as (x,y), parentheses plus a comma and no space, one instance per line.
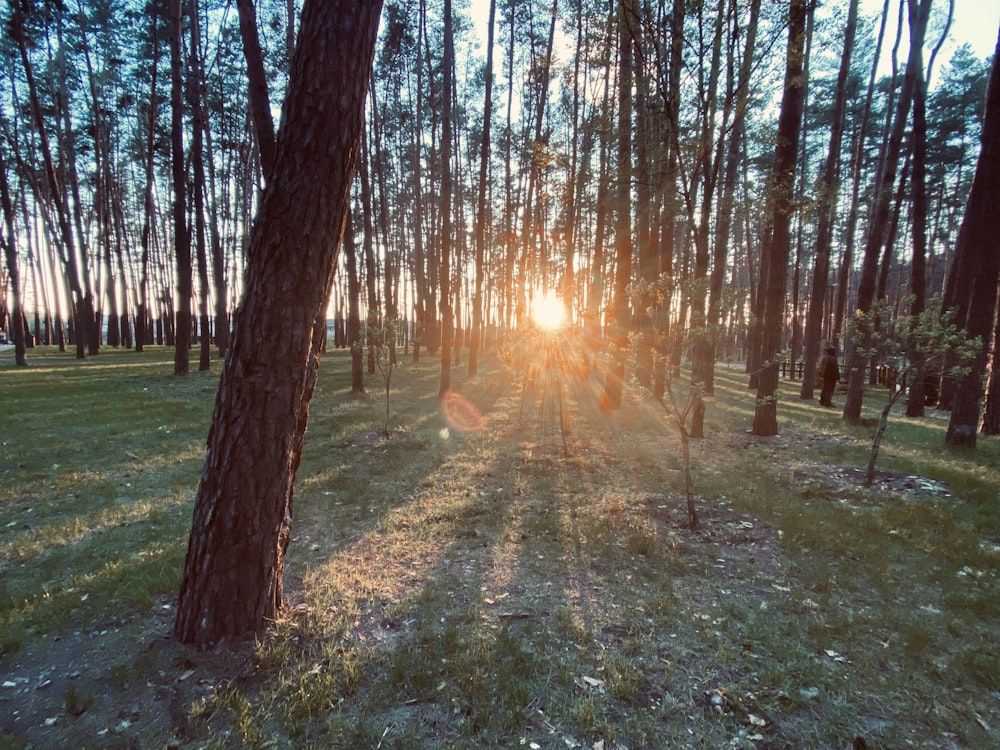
(623,225)
(827,189)
(182,239)
(445,307)
(17,326)
(354,340)
(765,420)
(885,180)
(979,242)
(235,562)
(925,339)
(260,107)
(481,215)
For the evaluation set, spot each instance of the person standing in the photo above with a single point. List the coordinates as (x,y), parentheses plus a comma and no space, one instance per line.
(830,372)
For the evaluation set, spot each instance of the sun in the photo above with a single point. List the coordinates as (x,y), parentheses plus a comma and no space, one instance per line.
(548,312)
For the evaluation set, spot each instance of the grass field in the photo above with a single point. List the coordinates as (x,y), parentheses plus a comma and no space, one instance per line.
(531,582)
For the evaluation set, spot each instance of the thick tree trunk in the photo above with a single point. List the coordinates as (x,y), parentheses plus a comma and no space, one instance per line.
(235,563)
(765,420)
(979,238)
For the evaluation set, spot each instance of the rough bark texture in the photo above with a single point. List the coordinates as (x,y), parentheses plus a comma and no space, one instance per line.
(979,238)
(233,573)
(765,421)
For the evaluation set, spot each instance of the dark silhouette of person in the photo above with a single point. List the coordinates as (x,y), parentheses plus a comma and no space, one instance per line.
(830,372)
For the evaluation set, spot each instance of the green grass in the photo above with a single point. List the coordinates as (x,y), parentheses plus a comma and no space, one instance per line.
(487,589)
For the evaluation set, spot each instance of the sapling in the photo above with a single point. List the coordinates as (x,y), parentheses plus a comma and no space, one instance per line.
(926,342)
(381,347)
(655,295)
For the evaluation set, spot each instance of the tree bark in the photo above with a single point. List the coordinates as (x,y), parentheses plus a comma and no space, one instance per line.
(7,239)
(979,239)
(882,205)
(475,341)
(621,318)
(447,318)
(354,341)
(827,188)
(765,420)
(182,239)
(241,528)
(56,194)
(260,106)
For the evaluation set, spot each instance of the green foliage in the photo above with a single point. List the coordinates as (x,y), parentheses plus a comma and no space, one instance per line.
(930,339)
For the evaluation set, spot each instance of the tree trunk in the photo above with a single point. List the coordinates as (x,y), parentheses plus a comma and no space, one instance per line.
(182,240)
(726,197)
(979,238)
(621,319)
(765,420)
(918,268)
(354,310)
(368,244)
(481,215)
(991,412)
(260,107)
(9,243)
(196,93)
(235,563)
(143,316)
(56,194)
(882,205)
(827,189)
(447,318)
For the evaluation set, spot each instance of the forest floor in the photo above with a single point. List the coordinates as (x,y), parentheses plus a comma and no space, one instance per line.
(515,571)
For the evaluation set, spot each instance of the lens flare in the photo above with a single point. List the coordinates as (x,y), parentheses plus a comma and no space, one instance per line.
(460,414)
(548,312)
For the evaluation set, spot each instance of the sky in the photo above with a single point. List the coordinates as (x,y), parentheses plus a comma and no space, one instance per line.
(975,21)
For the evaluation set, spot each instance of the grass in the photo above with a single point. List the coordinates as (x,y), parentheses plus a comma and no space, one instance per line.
(491,589)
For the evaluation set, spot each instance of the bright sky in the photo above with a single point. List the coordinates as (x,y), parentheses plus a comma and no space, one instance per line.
(977,22)
(974,21)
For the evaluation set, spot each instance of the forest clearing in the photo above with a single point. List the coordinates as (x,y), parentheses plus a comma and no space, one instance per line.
(595,254)
(529,582)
